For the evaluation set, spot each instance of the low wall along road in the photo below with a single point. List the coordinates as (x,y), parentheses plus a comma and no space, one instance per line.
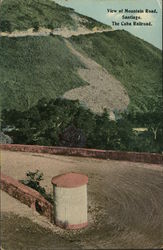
(26,195)
(103,154)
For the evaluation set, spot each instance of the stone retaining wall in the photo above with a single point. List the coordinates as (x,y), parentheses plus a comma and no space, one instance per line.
(26,195)
(102,154)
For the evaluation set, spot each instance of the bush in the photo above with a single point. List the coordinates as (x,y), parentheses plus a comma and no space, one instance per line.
(5,25)
(33,181)
(36,26)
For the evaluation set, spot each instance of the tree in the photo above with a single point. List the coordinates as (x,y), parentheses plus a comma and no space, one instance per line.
(5,26)
(72,137)
(35,26)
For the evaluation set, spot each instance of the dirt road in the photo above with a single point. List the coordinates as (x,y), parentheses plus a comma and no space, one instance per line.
(64,32)
(124,198)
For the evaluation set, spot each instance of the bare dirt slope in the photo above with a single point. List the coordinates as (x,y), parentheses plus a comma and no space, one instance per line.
(103,91)
(124,198)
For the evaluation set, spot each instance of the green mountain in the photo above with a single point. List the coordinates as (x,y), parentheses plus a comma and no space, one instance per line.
(33,67)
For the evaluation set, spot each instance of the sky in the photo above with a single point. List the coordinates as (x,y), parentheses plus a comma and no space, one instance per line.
(97,9)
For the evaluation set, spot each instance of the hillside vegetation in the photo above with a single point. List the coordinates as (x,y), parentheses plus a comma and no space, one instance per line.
(26,14)
(36,67)
(63,122)
(33,68)
(136,63)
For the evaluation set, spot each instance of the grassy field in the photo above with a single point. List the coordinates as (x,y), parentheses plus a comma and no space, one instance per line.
(25,14)
(33,68)
(136,63)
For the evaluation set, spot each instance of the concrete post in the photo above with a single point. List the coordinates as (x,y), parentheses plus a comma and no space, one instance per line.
(70,200)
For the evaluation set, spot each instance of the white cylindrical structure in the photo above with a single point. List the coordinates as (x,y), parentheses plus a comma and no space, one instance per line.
(70,200)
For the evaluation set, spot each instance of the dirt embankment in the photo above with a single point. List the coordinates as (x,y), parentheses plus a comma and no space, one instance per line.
(103,91)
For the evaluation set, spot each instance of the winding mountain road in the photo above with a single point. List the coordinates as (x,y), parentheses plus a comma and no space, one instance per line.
(125,204)
(64,32)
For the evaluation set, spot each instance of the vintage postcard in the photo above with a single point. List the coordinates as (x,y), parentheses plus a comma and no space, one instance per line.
(81,139)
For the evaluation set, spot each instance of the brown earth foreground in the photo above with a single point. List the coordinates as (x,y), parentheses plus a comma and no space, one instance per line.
(125,205)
